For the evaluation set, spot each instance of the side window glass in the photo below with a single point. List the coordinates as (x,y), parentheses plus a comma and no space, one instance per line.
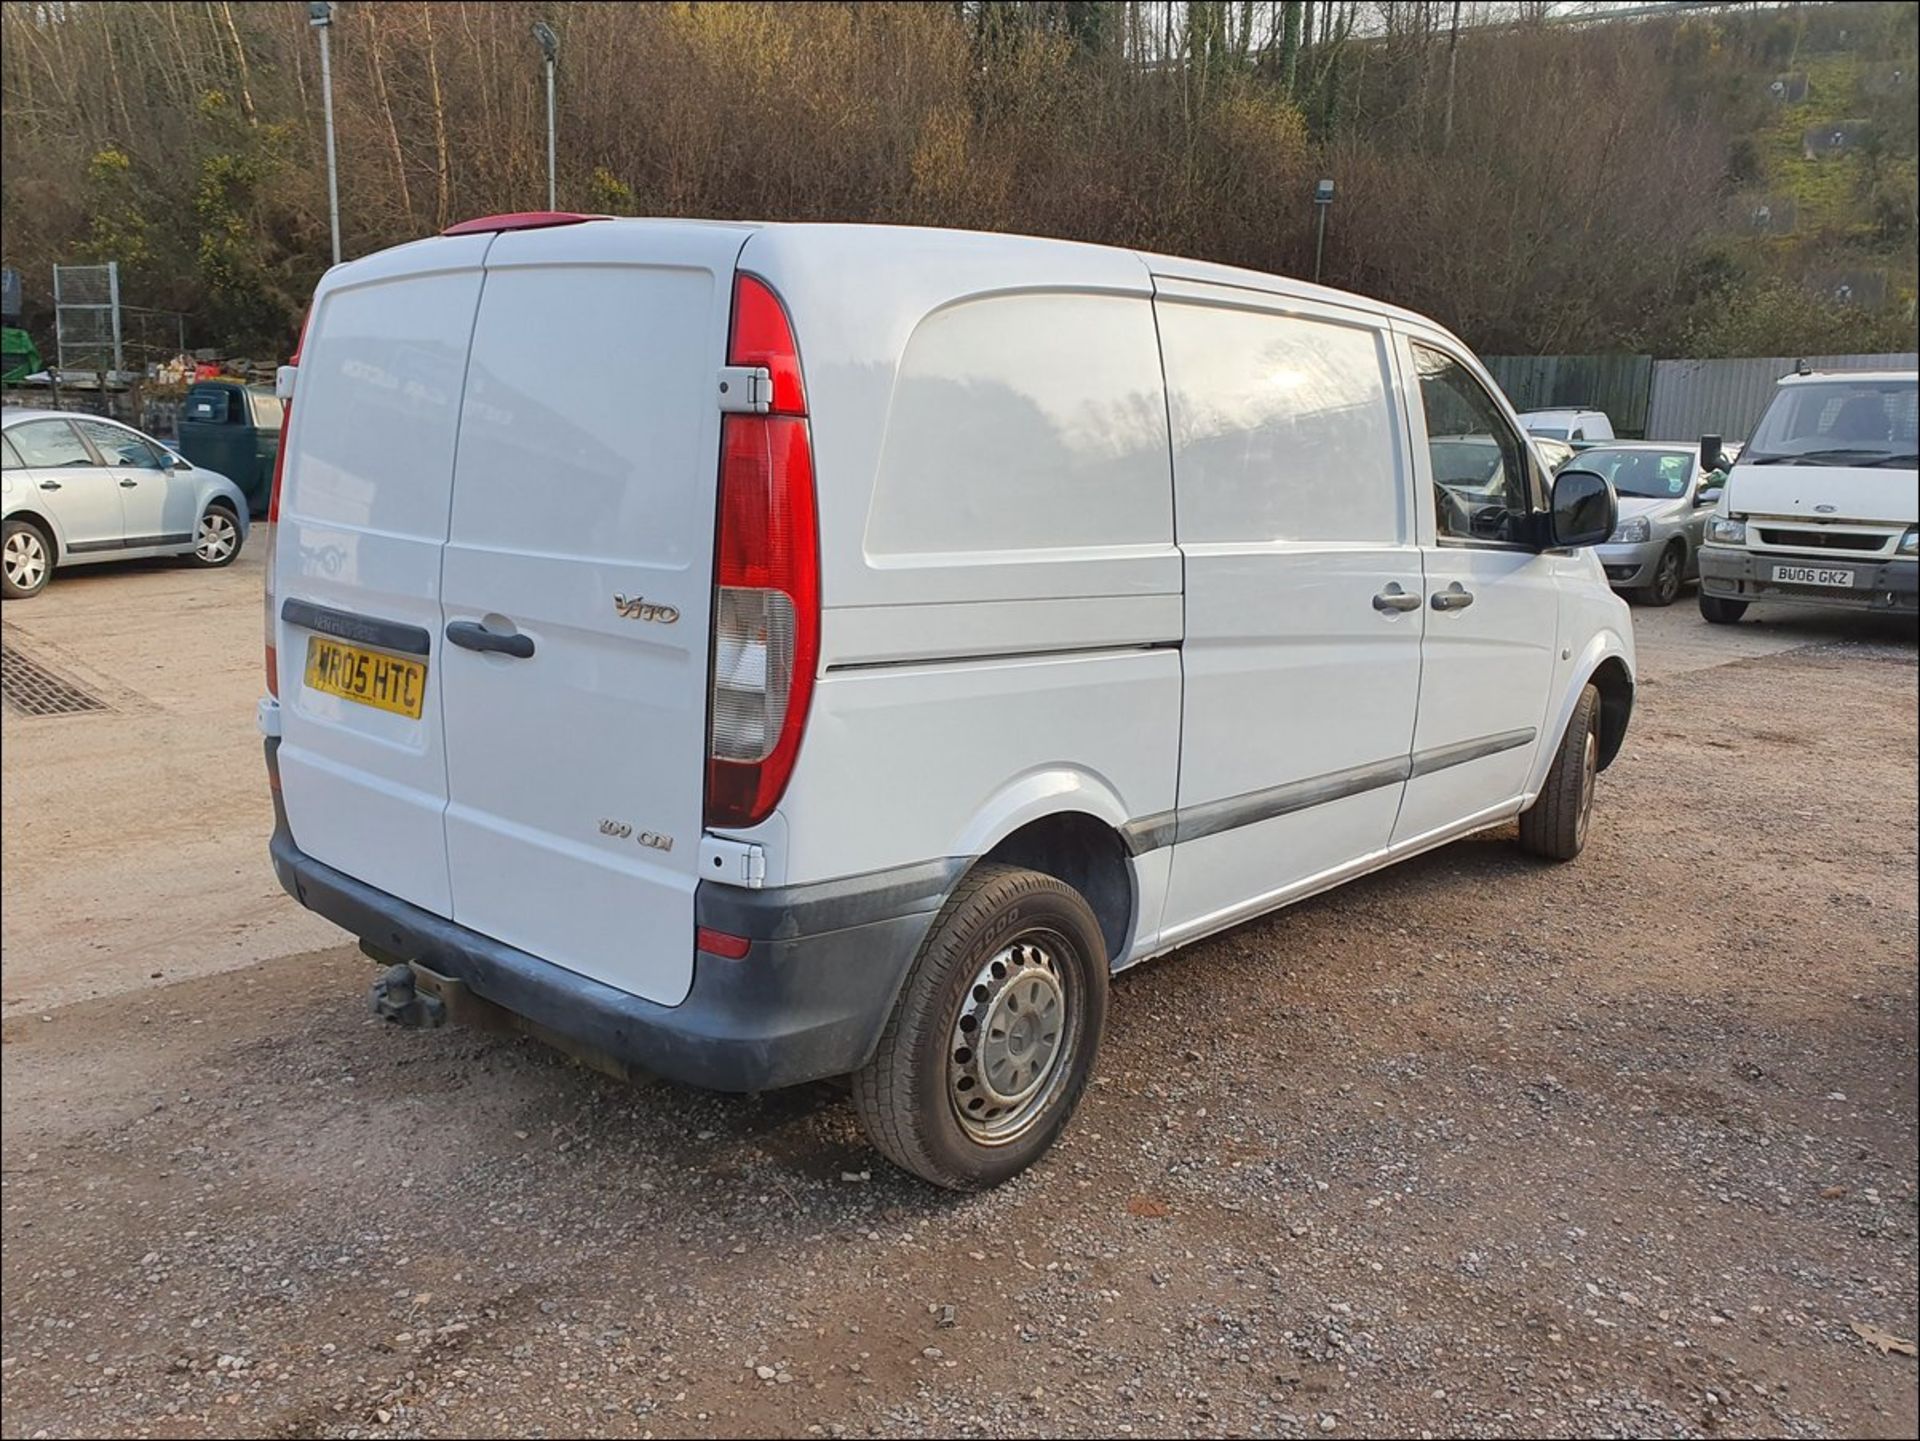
(12,460)
(121,447)
(47,444)
(1480,484)
(1283,427)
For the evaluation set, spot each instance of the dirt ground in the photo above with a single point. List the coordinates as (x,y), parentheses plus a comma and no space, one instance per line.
(1473,1147)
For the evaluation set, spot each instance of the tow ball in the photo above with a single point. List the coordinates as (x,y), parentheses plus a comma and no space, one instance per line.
(396,998)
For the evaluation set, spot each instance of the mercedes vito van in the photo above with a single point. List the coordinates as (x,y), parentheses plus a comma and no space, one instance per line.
(761,653)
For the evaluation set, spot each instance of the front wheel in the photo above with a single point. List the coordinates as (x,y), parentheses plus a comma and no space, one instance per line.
(993,1037)
(1719,611)
(217,541)
(1555,825)
(26,560)
(1665,587)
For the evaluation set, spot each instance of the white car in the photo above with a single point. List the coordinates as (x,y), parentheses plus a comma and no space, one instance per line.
(1823,505)
(1576,427)
(759,653)
(79,489)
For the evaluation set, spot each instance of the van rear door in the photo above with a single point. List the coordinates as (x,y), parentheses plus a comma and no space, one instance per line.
(577,587)
(365,497)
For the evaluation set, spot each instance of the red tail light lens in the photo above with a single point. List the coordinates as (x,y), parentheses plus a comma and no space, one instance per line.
(766,613)
(273,512)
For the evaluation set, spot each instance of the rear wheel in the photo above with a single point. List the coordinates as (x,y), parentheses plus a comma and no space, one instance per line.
(1719,611)
(1664,589)
(1555,825)
(993,1037)
(26,560)
(217,540)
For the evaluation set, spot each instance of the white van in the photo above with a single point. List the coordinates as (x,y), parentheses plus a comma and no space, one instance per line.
(1823,506)
(1576,427)
(766,653)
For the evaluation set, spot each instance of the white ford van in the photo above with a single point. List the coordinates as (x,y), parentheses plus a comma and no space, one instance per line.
(1823,506)
(766,653)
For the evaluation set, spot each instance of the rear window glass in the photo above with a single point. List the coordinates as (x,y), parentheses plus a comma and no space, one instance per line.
(209,406)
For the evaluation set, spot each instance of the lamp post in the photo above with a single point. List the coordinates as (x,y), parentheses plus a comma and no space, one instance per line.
(550,47)
(1322,203)
(320,17)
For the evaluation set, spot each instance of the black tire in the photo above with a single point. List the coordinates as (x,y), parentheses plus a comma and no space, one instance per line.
(216,539)
(26,560)
(974,972)
(1668,574)
(1720,611)
(1555,825)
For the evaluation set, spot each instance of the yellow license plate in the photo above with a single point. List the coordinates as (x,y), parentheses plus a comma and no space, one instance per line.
(385,682)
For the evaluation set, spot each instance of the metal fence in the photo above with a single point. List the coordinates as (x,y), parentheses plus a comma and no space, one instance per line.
(86,318)
(1664,399)
(1616,384)
(1691,398)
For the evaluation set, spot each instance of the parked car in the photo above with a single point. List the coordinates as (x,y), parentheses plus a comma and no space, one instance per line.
(876,667)
(80,489)
(1823,505)
(1666,496)
(233,429)
(1579,428)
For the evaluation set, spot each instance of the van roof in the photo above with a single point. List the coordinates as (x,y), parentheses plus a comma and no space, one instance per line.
(1818,377)
(1169,267)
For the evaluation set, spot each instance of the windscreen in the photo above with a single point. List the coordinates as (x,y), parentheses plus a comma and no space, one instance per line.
(1838,422)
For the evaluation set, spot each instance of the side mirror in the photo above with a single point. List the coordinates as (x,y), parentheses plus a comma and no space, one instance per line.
(1709,495)
(1584,510)
(1711,458)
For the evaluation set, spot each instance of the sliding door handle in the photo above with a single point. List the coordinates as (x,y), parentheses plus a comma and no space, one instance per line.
(471,635)
(1394,599)
(1454,597)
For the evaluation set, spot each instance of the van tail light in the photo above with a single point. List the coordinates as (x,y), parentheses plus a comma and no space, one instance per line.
(273,512)
(766,606)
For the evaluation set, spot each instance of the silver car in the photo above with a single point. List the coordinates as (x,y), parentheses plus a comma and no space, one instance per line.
(1665,499)
(79,489)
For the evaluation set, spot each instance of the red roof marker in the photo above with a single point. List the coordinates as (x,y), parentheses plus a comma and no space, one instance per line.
(520,220)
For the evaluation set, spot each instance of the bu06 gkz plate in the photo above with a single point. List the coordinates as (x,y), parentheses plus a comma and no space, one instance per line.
(1825,575)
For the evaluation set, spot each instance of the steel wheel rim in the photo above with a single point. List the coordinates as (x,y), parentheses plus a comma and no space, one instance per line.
(1008,1053)
(26,559)
(1589,769)
(1668,580)
(217,536)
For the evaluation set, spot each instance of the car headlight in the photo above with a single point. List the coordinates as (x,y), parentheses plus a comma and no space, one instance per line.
(1910,542)
(1722,530)
(1628,532)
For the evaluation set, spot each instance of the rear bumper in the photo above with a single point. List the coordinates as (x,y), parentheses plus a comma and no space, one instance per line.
(808,1000)
(1733,574)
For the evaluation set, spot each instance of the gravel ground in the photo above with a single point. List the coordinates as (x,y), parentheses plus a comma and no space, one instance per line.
(1474,1147)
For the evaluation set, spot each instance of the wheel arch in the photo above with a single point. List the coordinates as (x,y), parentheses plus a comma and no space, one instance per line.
(46,526)
(1086,852)
(1615,684)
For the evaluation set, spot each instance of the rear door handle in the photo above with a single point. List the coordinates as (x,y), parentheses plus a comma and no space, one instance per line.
(49,485)
(1393,598)
(1454,597)
(471,635)
(128,484)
